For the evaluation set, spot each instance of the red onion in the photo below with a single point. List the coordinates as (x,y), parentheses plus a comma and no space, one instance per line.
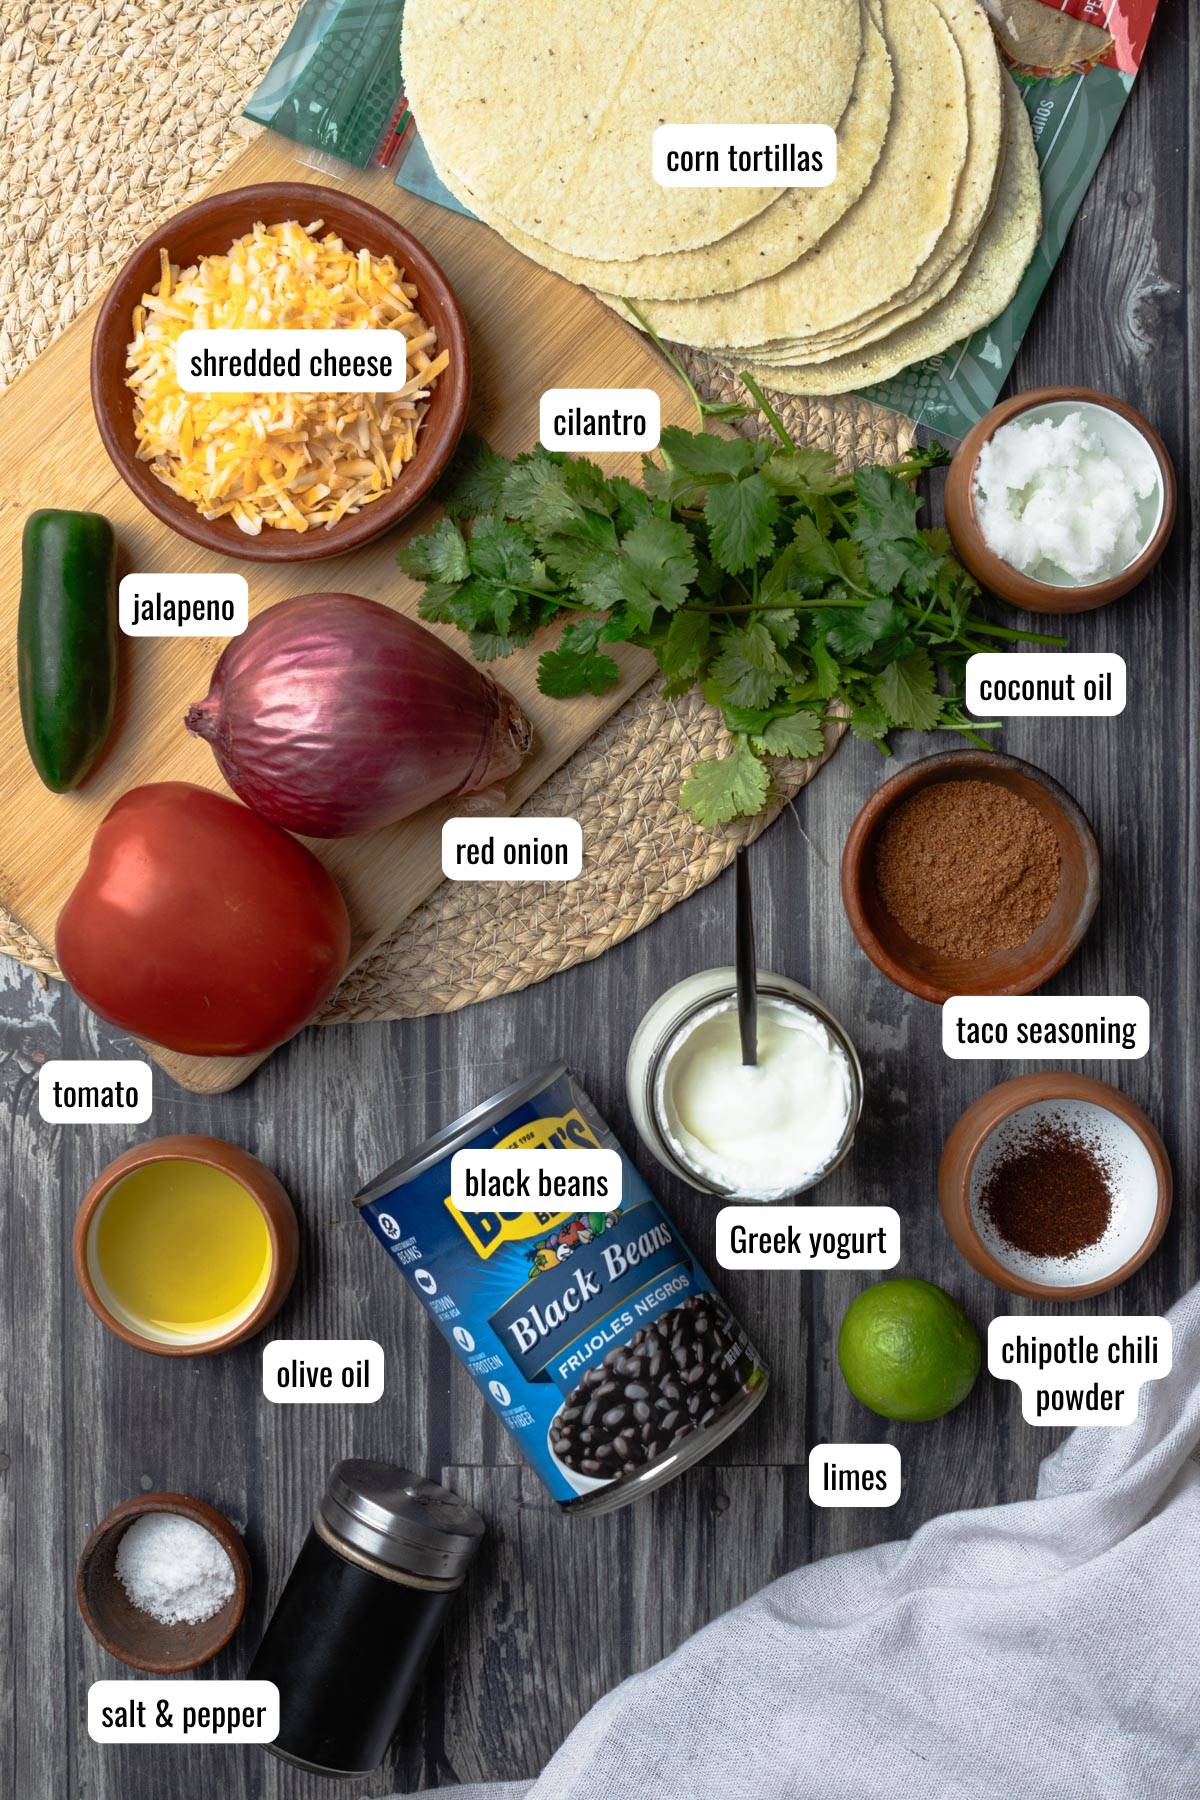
(333,715)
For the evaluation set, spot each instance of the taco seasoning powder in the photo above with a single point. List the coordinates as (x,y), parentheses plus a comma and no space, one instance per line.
(967,868)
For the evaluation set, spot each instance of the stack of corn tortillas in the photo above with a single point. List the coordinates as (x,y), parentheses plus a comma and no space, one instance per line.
(542,124)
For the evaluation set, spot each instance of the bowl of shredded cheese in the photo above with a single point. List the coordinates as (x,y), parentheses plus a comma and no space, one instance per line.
(279,477)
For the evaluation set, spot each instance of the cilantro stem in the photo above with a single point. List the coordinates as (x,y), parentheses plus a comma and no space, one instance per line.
(1017,637)
(703,409)
(764,405)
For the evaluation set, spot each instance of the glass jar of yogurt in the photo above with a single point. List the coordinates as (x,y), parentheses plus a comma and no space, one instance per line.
(766,1132)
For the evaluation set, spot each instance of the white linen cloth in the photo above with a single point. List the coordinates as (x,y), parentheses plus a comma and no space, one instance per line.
(1044,1650)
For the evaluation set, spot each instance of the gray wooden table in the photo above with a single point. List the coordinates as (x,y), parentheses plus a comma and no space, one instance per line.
(559,1609)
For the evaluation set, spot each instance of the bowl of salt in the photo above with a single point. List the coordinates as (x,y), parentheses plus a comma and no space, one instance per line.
(162,1582)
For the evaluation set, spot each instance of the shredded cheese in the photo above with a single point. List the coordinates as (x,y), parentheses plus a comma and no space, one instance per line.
(290,461)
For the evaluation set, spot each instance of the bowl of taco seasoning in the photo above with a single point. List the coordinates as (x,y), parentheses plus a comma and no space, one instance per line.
(1061,500)
(970,872)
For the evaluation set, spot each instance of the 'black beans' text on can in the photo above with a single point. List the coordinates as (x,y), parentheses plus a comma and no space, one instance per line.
(596,1337)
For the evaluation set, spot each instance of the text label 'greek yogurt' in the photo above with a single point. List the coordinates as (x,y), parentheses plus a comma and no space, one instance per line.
(518,1181)
(91,1093)
(323,1371)
(988,1028)
(183,1712)
(183,605)
(854,1475)
(808,1237)
(512,849)
(1045,685)
(1079,1371)
(291,362)
(702,156)
(596,419)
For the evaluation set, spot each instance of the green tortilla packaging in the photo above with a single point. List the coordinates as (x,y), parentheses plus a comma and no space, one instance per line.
(1074,63)
(967,136)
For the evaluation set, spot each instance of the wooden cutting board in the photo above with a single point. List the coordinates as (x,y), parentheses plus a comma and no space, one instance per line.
(530,330)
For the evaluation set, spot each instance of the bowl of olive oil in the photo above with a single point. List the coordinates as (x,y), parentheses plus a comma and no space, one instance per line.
(185,1246)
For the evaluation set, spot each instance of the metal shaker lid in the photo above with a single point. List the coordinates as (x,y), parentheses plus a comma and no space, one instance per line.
(401,1520)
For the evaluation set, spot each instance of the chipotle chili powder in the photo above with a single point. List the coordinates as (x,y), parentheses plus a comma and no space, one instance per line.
(967,868)
(1050,1190)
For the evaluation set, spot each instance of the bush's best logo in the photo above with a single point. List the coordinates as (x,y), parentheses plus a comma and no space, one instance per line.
(485,1232)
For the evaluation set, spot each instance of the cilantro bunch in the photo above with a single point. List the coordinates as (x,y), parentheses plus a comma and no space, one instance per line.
(790,593)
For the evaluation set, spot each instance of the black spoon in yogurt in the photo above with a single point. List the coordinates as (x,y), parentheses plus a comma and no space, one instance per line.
(747,964)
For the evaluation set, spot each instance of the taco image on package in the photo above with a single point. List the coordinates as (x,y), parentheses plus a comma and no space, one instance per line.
(1042,41)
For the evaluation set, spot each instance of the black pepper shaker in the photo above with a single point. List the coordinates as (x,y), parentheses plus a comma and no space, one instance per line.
(361,1611)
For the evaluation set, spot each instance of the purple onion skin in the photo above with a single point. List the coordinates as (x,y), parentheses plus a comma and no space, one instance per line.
(333,715)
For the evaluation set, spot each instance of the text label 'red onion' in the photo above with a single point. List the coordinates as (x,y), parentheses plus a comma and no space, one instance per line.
(291,362)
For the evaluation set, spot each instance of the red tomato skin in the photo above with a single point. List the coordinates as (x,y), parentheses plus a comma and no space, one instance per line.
(200,926)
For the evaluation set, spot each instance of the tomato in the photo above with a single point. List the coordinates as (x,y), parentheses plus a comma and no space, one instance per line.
(200,926)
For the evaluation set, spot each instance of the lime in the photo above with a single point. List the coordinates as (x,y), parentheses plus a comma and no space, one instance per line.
(907,1350)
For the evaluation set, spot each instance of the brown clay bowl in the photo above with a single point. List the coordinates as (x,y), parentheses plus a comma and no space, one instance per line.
(928,973)
(264,1189)
(135,1637)
(999,577)
(210,227)
(1144,1197)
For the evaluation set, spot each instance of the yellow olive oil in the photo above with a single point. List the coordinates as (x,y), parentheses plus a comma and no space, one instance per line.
(180,1251)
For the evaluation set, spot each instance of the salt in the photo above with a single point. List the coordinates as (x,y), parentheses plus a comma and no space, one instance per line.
(1064,500)
(174,1569)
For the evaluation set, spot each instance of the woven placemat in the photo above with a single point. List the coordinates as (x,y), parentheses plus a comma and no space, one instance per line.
(116,115)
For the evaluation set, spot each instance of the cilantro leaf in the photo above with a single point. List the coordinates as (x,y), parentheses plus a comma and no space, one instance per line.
(500,551)
(868,721)
(658,564)
(826,672)
(701,454)
(741,522)
(727,787)
(475,481)
(853,631)
(682,653)
(799,735)
(802,471)
(886,528)
(749,668)
(439,555)
(908,690)
(486,646)
(564,672)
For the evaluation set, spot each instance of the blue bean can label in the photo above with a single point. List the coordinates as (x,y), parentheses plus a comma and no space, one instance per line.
(595,1336)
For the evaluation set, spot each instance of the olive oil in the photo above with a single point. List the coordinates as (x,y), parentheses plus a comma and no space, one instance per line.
(180,1251)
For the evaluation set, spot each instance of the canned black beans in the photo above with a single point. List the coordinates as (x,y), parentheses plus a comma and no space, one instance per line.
(672,1378)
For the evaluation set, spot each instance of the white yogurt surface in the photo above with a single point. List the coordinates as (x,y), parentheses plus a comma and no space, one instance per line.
(1070,493)
(761,1131)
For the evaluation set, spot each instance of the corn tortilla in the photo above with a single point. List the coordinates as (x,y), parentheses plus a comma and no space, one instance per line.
(764,245)
(977,187)
(874,251)
(551,111)
(1002,254)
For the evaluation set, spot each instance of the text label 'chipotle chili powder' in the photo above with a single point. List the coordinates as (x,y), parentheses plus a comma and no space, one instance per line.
(967,868)
(1050,1191)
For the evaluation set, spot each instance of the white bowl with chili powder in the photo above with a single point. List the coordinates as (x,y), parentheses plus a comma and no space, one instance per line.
(1055,1185)
(970,872)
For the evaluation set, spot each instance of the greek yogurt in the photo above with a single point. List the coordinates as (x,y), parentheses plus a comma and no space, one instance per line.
(760,1132)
